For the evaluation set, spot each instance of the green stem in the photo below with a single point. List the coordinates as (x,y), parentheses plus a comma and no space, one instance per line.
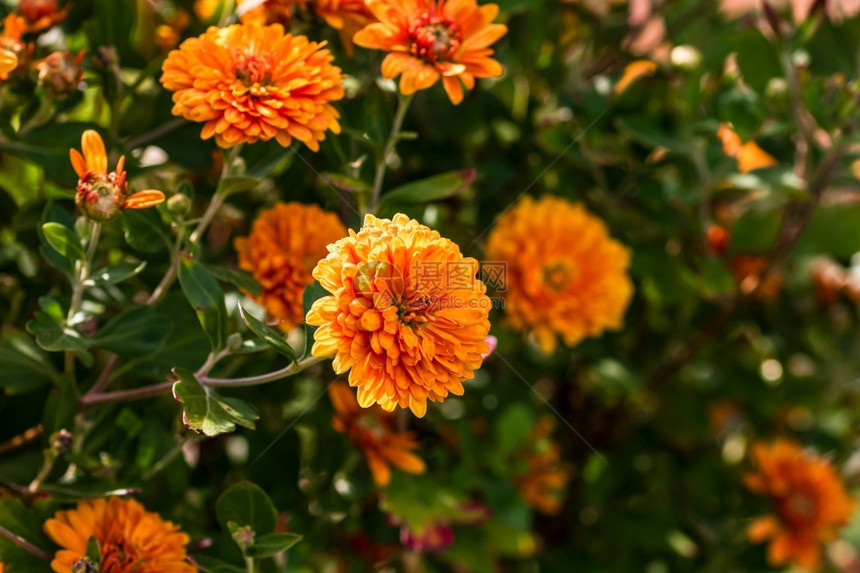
(24,544)
(249,564)
(90,400)
(47,466)
(79,286)
(390,145)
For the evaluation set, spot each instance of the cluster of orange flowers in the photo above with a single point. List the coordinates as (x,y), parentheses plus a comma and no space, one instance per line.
(129,539)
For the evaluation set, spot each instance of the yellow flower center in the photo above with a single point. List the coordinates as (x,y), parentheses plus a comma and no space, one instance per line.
(434,38)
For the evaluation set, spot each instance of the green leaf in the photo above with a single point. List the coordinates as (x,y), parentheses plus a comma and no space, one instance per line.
(25,366)
(272,544)
(137,331)
(64,241)
(209,564)
(144,230)
(48,327)
(833,230)
(94,553)
(431,189)
(25,522)
(92,490)
(513,428)
(61,406)
(237,184)
(115,274)
(205,411)
(207,299)
(240,279)
(246,504)
(755,232)
(267,334)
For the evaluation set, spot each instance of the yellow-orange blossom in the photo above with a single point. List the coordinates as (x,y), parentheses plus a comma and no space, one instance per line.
(131,539)
(431,39)
(251,83)
(566,277)
(284,246)
(406,335)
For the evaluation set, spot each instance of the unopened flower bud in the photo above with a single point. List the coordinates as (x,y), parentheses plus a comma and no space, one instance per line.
(101,196)
(61,73)
(61,442)
(179,205)
(234,342)
(244,537)
(35,10)
(686,58)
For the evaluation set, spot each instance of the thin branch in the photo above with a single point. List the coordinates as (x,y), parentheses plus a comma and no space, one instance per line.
(24,544)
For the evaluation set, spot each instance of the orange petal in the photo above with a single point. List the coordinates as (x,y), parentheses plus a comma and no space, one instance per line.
(144,199)
(633,72)
(380,470)
(8,61)
(94,151)
(752,157)
(78,163)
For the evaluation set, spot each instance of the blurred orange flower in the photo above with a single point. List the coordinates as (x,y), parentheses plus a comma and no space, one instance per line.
(285,244)
(432,39)
(406,314)
(129,537)
(61,72)
(749,155)
(101,195)
(252,83)
(633,73)
(267,12)
(14,53)
(42,14)
(566,277)
(809,500)
(543,483)
(373,431)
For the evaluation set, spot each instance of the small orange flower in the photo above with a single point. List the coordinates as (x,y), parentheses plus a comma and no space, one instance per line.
(571,282)
(407,333)
(130,538)
(285,244)
(42,14)
(542,484)
(810,503)
(373,431)
(432,39)
(102,196)
(749,155)
(252,83)
(167,35)
(634,72)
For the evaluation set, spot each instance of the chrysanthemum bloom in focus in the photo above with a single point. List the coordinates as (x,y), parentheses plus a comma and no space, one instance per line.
(543,482)
(809,501)
(252,83)
(749,155)
(285,244)
(406,314)
(102,195)
(566,277)
(130,538)
(432,39)
(373,430)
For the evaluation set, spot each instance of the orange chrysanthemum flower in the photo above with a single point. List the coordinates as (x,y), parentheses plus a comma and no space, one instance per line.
(543,482)
(432,39)
(285,244)
(406,315)
(373,431)
(102,196)
(565,276)
(130,538)
(810,503)
(252,83)
(14,53)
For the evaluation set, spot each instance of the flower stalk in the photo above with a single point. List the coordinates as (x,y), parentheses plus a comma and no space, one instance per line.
(403,102)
